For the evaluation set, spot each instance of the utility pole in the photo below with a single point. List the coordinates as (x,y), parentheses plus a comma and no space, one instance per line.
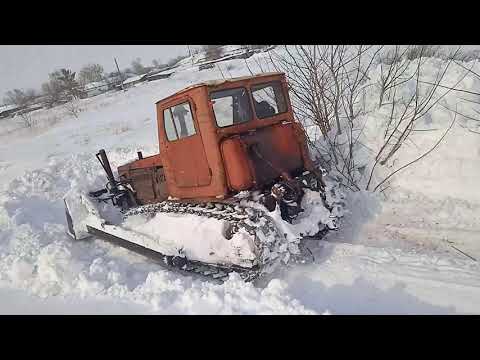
(119,74)
(190,53)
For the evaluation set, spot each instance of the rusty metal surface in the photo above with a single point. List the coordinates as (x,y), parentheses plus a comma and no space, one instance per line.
(149,183)
(237,166)
(273,151)
(154,160)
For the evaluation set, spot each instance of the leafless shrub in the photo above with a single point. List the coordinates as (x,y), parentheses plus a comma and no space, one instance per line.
(473,124)
(328,89)
(26,119)
(462,55)
(72,108)
(328,85)
(392,68)
(400,168)
(406,112)
(419,51)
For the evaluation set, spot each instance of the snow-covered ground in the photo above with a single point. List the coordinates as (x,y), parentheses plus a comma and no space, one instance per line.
(393,253)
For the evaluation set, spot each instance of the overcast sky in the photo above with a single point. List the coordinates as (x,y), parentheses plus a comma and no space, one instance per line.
(28,66)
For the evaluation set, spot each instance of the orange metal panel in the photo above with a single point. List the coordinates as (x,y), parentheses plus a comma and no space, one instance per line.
(274,152)
(154,160)
(187,157)
(236,165)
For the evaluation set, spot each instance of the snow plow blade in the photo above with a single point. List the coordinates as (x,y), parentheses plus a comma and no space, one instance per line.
(236,237)
(70,229)
(84,220)
(211,272)
(78,211)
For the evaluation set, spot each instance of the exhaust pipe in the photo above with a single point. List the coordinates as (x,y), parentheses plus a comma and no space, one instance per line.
(103,159)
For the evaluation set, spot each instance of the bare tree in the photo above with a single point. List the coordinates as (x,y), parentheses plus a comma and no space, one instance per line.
(327,83)
(90,73)
(137,67)
(65,78)
(53,91)
(19,97)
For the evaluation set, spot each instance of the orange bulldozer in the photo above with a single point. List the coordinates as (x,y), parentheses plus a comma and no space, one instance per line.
(233,187)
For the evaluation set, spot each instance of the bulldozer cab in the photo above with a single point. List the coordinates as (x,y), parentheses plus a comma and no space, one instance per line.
(218,138)
(225,136)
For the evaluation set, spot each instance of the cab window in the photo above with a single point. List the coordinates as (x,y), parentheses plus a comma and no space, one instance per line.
(231,106)
(268,99)
(178,122)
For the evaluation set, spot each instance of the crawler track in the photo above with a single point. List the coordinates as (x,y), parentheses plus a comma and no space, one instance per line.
(255,222)
(271,245)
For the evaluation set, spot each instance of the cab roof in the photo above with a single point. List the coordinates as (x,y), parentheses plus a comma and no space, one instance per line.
(215,83)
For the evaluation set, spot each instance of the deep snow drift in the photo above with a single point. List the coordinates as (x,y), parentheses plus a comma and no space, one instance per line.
(393,253)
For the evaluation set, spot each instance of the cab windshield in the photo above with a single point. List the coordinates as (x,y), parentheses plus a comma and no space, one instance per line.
(233,106)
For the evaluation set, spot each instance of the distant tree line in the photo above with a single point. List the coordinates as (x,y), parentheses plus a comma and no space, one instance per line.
(64,84)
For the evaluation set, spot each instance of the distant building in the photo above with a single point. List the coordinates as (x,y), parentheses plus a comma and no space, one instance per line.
(96,88)
(134,80)
(12,110)
(8,110)
(211,64)
(113,81)
(159,74)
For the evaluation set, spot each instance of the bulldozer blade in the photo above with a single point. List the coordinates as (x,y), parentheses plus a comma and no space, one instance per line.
(154,255)
(167,262)
(78,211)
(70,229)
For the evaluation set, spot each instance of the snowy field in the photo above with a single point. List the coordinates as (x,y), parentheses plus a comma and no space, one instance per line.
(392,255)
